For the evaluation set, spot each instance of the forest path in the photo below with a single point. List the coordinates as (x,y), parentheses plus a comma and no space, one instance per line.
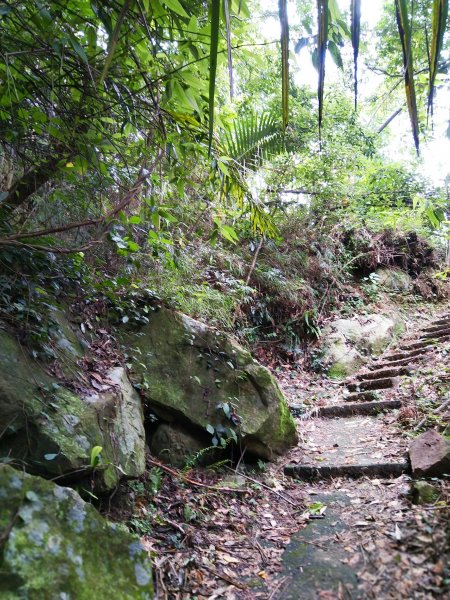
(365,539)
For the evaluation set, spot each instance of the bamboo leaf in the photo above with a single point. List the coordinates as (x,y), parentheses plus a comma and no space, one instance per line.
(226,6)
(322,39)
(404,29)
(176,7)
(439,20)
(282,9)
(355,32)
(215,25)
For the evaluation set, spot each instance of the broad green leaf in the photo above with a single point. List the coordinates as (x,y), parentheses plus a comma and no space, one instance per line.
(95,455)
(336,54)
(222,166)
(228,233)
(78,49)
(176,7)
(282,9)
(214,45)
(404,29)
(440,14)
(355,31)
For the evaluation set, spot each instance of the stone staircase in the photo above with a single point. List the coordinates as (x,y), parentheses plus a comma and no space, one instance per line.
(335,436)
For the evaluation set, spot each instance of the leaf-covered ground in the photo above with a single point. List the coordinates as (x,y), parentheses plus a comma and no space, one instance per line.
(222,534)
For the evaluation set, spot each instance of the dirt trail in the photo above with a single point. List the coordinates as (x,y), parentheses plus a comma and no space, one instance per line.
(366,539)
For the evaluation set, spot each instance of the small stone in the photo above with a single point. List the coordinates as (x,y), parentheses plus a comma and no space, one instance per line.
(430,455)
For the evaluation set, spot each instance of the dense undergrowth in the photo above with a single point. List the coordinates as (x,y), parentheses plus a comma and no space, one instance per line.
(273,294)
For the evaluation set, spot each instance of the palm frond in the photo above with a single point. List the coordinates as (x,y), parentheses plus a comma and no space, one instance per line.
(404,29)
(252,139)
(439,20)
(322,39)
(355,10)
(245,145)
(215,26)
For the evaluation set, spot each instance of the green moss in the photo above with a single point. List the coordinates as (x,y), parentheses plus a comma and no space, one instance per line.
(399,328)
(337,372)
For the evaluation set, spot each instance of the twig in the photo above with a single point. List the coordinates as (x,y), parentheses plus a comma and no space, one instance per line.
(435,411)
(265,487)
(255,258)
(280,585)
(179,475)
(226,578)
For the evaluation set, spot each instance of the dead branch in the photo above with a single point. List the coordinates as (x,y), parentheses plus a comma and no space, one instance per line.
(180,475)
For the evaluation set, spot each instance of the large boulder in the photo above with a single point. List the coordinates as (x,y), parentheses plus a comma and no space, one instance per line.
(429,454)
(54,545)
(346,344)
(394,280)
(53,430)
(197,376)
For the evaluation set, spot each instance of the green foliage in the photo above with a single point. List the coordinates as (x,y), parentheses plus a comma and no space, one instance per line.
(95,457)
(370,286)
(30,284)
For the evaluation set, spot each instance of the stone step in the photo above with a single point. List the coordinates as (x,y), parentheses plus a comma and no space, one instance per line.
(437,325)
(374,384)
(409,354)
(375,469)
(357,408)
(415,345)
(393,363)
(438,334)
(361,397)
(346,441)
(381,373)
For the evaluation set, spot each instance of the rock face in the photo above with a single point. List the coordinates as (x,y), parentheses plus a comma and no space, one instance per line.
(52,430)
(54,545)
(194,375)
(348,343)
(430,455)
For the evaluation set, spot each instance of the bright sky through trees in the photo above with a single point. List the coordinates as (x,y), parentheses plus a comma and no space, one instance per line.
(435,149)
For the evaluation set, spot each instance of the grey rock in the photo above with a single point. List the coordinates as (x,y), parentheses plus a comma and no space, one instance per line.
(347,344)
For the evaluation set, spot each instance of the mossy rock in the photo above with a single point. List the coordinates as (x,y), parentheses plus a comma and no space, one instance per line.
(423,492)
(52,430)
(191,374)
(394,280)
(347,344)
(55,546)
